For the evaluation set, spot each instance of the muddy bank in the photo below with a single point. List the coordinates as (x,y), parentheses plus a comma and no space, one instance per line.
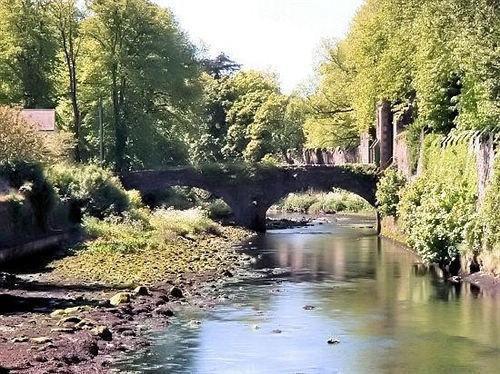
(53,323)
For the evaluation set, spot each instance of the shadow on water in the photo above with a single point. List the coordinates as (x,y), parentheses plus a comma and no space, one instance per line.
(390,314)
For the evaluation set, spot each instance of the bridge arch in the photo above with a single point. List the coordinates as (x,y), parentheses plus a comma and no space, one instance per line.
(251,191)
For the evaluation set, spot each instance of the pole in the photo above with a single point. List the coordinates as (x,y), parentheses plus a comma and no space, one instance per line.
(101,132)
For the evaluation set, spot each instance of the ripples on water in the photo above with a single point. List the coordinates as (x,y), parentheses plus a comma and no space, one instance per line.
(389,313)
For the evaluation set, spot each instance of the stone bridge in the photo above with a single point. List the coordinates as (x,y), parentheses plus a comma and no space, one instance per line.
(250,191)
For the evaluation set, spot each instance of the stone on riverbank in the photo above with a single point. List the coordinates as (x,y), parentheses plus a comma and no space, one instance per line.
(59,313)
(103,332)
(20,339)
(41,340)
(141,291)
(120,298)
(176,292)
(166,312)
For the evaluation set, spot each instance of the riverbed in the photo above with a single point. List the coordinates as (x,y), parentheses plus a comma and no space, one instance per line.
(332,298)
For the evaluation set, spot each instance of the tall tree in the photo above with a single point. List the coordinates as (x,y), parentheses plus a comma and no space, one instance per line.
(28,53)
(151,72)
(68,18)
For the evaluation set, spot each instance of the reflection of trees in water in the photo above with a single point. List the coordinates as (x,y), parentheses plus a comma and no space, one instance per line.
(320,257)
(425,315)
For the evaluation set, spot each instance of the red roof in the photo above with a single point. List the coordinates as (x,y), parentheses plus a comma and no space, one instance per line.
(44,119)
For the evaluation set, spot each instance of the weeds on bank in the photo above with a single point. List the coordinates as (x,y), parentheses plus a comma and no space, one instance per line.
(146,247)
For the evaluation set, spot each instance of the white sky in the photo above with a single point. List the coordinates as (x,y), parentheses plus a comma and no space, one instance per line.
(282,36)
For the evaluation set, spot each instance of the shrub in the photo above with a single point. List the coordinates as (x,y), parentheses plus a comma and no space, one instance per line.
(218,209)
(19,139)
(182,222)
(435,209)
(298,202)
(30,180)
(95,190)
(331,202)
(388,192)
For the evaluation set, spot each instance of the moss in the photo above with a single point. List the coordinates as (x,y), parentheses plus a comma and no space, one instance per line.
(145,247)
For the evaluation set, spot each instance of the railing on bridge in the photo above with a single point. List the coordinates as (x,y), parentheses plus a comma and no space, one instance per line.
(366,153)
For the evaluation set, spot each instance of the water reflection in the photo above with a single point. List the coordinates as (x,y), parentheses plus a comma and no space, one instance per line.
(389,312)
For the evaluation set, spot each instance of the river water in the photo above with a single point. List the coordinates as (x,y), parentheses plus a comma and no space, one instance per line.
(388,313)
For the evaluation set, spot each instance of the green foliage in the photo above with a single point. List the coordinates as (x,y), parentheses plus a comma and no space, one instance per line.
(19,140)
(388,192)
(130,233)
(184,198)
(28,54)
(30,180)
(330,118)
(483,233)
(95,190)
(329,203)
(135,52)
(277,127)
(439,56)
(435,209)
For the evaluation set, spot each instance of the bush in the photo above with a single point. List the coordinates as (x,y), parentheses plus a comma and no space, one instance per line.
(331,202)
(30,180)
(181,223)
(19,140)
(435,209)
(388,192)
(95,190)
(218,209)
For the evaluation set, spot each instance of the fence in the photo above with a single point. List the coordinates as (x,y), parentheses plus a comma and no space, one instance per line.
(318,156)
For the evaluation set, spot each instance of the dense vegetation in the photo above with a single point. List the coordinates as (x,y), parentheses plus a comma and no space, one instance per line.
(131,91)
(437,60)
(128,65)
(483,232)
(337,201)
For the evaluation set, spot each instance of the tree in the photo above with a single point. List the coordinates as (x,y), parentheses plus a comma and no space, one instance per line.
(277,127)
(136,51)
(28,54)
(221,66)
(330,121)
(249,90)
(68,18)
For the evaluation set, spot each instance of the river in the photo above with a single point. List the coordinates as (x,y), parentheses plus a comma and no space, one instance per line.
(339,281)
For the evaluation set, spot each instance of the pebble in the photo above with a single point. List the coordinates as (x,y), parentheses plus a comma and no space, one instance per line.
(41,340)
(103,332)
(332,341)
(141,291)
(120,298)
(176,292)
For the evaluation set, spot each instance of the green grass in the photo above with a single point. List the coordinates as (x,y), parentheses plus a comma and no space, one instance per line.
(147,247)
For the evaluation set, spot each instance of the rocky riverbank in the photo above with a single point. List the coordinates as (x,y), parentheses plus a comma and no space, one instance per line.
(64,322)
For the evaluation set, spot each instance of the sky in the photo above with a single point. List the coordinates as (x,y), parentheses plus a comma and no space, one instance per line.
(281,36)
